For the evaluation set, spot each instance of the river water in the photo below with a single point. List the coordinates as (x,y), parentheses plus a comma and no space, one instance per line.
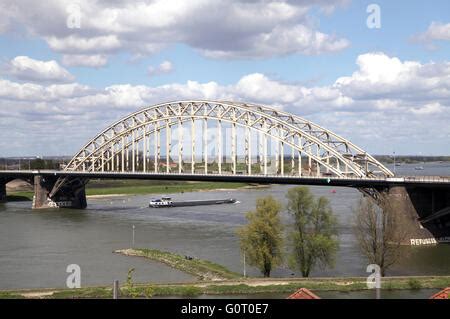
(37,246)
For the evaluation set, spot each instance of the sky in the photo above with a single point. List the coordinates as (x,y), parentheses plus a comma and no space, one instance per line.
(376,73)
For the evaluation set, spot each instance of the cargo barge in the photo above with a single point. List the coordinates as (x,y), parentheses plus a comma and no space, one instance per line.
(167,202)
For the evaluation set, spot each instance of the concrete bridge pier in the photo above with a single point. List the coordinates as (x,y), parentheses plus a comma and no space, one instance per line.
(2,190)
(424,212)
(71,195)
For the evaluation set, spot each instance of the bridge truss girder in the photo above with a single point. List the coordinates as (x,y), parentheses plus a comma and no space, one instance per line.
(110,150)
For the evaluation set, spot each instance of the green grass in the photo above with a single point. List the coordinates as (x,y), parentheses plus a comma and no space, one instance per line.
(161,188)
(20,197)
(139,291)
(10,295)
(184,290)
(242,286)
(202,269)
(89,292)
(413,283)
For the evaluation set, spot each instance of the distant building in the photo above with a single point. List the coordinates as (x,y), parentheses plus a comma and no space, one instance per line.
(303,293)
(170,164)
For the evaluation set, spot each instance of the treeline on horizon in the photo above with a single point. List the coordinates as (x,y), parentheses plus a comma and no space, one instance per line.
(407,159)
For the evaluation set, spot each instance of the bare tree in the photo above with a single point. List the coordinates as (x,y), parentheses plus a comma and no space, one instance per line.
(379,232)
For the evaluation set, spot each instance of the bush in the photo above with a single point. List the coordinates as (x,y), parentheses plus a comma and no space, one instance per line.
(414,284)
(388,286)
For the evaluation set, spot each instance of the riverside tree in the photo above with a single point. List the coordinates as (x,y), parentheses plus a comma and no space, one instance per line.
(262,239)
(379,233)
(313,238)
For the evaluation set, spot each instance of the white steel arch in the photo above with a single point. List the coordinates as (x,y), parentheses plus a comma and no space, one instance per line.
(134,143)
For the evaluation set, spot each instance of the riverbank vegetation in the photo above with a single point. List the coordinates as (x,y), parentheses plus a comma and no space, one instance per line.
(379,231)
(411,159)
(313,235)
(314,231)
(241,286)
(130,187)
(217,280)
(20,197)
(200,268)
(262,238)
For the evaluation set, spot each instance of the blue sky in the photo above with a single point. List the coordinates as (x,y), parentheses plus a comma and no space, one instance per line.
(268,52)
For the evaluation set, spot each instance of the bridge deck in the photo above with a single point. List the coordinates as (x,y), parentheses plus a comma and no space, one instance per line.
(434,181)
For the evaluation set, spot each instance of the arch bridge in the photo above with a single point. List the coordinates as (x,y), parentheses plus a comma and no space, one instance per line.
(216,139)
(223,138)
(235,141)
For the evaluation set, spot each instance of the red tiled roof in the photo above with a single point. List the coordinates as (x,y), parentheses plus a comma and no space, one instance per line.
(444,294)
(303,293)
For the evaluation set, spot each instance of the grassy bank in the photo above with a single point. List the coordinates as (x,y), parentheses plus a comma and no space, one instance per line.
(158,188)
(20,197)
(202,269)
(241,286)
(217,280)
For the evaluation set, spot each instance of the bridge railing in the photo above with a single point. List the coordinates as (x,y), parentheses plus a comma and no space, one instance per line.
(421,179)
(430,179)
(399,179)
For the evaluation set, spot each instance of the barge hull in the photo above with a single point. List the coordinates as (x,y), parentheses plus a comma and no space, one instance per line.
(203,202)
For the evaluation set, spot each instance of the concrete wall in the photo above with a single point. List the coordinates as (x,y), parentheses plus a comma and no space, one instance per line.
(415,204)
(429,202)
(2,190)
(69,196)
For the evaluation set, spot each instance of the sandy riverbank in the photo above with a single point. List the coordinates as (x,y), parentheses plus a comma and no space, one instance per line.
(18,185)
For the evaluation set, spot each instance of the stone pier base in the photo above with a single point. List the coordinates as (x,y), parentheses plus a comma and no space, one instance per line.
(2,190)
(424,212)
(71,195)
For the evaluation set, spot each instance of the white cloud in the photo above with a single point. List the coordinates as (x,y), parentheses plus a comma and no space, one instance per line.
(164,68)
(439,31)
(218,29)
(380,76)
(284,40)
(28,69)
(75,44)
(31,92)
(431,108)
(436,31)
(385,103)
(96,60)
(259,88)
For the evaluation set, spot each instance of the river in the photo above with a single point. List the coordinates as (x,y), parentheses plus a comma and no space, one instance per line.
(37,246)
